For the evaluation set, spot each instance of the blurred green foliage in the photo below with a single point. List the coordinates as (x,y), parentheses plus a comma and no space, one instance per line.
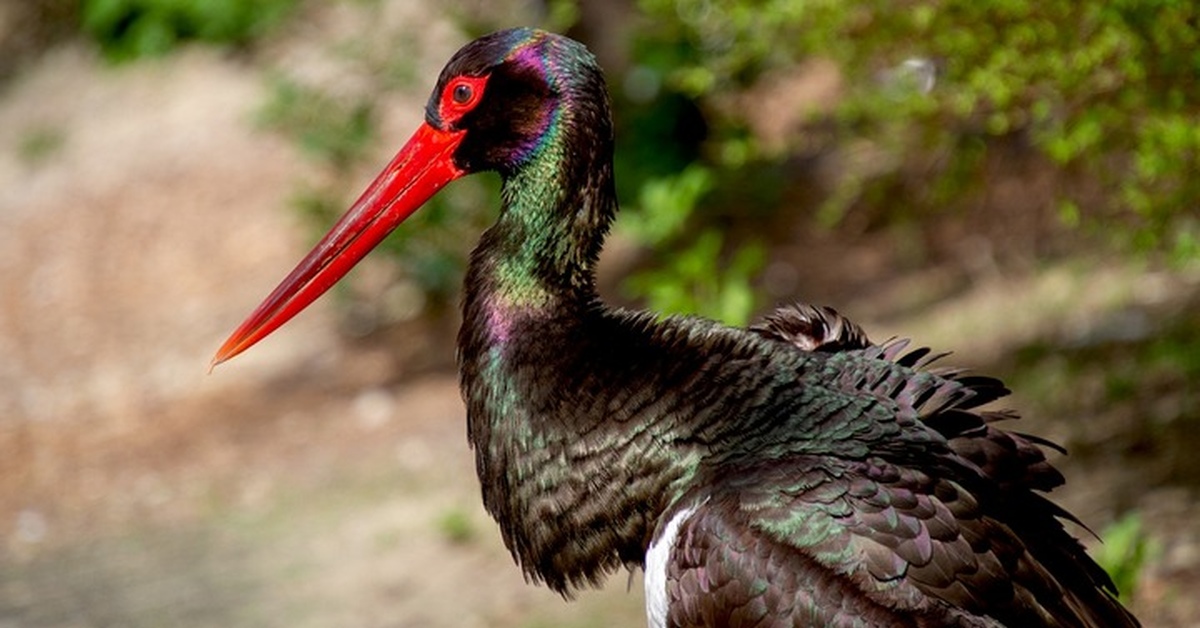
(1126,551)
(1101,91)
(329,129)
(129,29)
(1127,369)
(39,144)
(695,277)
(1105,91)
(455,526)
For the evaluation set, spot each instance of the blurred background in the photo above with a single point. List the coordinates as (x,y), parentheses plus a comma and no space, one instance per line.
(1016,182)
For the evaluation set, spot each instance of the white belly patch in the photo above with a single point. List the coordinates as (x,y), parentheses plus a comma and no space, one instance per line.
(656,569)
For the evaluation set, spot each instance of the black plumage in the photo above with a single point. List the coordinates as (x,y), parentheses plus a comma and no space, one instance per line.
(789,474)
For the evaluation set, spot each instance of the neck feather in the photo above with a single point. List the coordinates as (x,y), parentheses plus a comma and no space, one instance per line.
(564,504)
(557,209)
(553,464)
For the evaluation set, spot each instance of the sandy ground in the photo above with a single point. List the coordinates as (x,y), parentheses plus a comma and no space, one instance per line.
(300,486)
(314,481)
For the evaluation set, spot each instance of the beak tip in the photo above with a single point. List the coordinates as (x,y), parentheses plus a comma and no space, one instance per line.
(216,360)
(225,353)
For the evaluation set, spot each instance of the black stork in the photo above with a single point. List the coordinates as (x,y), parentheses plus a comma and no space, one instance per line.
(790,474)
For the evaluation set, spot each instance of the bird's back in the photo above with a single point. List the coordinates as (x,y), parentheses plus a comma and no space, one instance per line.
(888,498)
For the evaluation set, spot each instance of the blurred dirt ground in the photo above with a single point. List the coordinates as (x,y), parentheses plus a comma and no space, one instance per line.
(316,481)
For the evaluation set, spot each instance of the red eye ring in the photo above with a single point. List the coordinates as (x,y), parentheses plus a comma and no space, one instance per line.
(461,94)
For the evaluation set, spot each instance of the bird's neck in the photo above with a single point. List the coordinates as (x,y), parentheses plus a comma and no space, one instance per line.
(544,246)
(558,204)
(552,458)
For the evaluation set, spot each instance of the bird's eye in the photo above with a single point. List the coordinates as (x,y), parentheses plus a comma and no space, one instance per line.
(462,93)
(460,96)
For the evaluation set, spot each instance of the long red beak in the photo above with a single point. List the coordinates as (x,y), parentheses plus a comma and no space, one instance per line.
(417,172)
